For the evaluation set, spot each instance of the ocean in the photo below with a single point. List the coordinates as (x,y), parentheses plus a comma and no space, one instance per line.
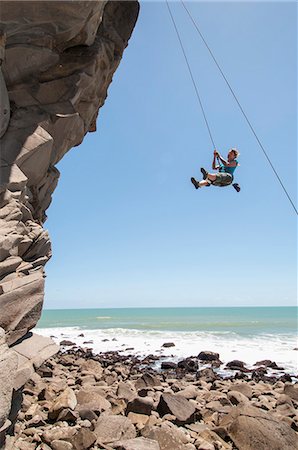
(249,334)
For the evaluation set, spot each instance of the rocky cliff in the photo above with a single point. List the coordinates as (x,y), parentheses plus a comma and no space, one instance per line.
(57,61)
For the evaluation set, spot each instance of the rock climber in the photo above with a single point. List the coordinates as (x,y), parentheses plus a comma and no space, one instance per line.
(225,175)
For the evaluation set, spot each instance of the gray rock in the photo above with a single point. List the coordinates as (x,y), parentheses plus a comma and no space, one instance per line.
(243,388)
(189,364)
(88,398)
(31,354)
(207,375)
(65,400)
(167,437)
(5,107)
(236,397)
(110,429)
(92,367)
(87,414)
(178,406)
(26,313)
(147,380)
(67,415)
(8,365)
(168,365)
(139,443)
(168,344)
(83,439)
(291,391)
(61,445)
(66,343)
(58,433)
(126,391)
(140,405)
(58,64)
(236,365)
(208,356)
(253,429)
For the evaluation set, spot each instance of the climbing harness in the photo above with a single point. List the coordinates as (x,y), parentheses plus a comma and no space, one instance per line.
(232,92)
(236,186)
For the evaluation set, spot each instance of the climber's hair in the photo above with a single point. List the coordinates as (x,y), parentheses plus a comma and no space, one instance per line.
(235,151)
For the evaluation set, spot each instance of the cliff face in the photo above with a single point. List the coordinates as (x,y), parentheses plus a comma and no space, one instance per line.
(58,59)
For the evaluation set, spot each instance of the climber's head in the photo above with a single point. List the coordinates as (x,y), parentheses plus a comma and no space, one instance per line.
(233,154)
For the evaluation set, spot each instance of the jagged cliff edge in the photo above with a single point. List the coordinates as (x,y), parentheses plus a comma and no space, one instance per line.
(57,61)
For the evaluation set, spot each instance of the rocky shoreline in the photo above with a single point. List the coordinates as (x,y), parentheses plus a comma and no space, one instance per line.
(81,400)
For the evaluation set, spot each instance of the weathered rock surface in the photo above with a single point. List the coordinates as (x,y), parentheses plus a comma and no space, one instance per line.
(88,398)
(31,353)
(139,443)
(178,406)
(208,356)
(8,366)
(57,60)
(168,438)
(254,429)
(224,414)
(65,400)
(110,429)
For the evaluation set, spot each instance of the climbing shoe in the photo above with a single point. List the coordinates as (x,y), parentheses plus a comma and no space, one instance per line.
(195,183)
(237,187)
(204,173)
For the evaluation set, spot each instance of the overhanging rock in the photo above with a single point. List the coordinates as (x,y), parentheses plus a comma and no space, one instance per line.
(57,60)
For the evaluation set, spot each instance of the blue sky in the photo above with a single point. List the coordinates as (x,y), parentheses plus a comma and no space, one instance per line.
(127,227)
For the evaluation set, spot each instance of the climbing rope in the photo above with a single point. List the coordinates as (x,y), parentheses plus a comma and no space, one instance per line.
(191,75)
(237,101)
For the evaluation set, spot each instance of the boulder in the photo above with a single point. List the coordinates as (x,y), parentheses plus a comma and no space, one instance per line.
(236,365)
(88,398)
(31,353)
(244,388)
(18,318)
(168,344)
(250,428)
(207,375)
(109,429)
(167,437)
(63,433)
(8,366)
(66,343)
(236,397)
(92,366)
(126,391)
(147,380)
(189,392)
(61,445)
(291,391)
(189,364)
(65,400)
(139,420)
(87,414)
(168,365)
(68,415)
(178,406)
(208,356)
(140,405)
(139,443)
(83,439)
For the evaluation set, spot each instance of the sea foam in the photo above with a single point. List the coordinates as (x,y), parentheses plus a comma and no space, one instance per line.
(229,345)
